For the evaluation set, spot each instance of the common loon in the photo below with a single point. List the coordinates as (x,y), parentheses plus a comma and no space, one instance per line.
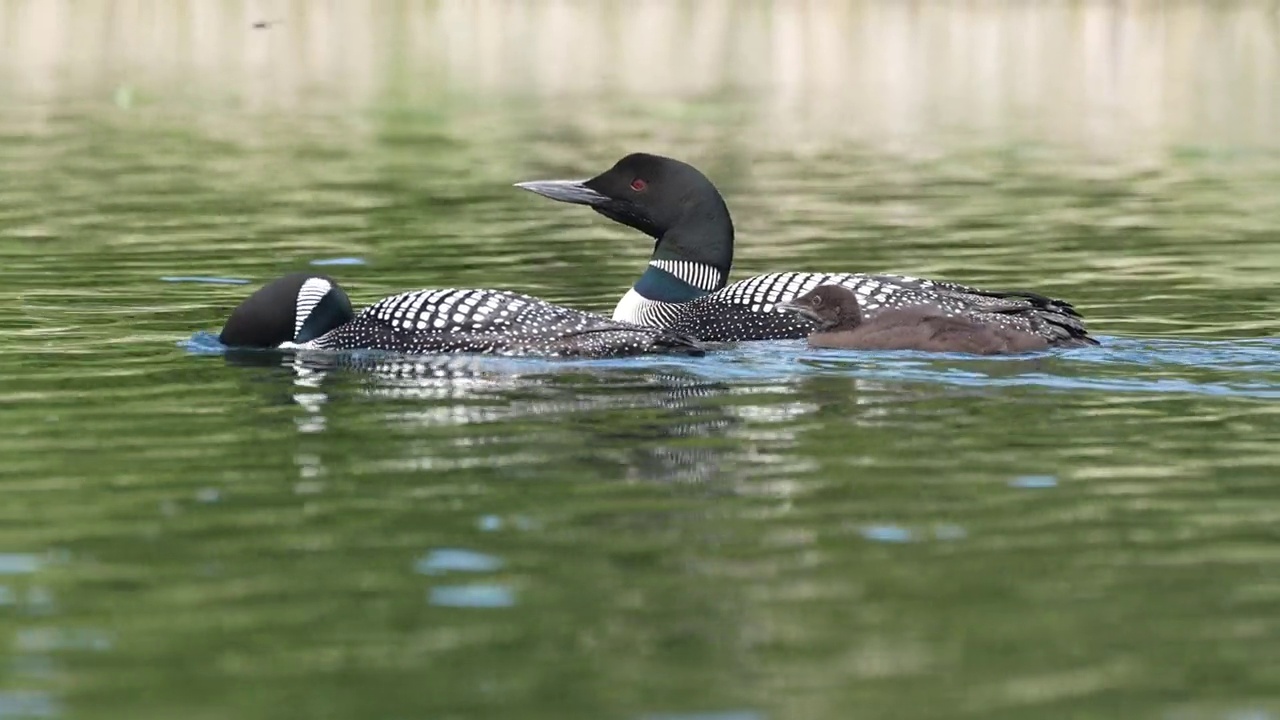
(834,308)
(306,311)
(684,288)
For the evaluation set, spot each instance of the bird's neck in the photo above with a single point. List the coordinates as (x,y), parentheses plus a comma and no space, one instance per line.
(677,281)
(688,261)
(699,249)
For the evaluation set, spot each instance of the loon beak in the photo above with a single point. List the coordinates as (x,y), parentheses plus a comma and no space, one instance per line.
(569,191)
(799,309)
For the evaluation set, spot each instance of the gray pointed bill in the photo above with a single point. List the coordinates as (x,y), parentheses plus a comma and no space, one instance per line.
(569,191)
(802,310)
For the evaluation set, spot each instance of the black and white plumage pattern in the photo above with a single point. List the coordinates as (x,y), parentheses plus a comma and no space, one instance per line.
(680,208)
(309,296)
(497,322)
(700,275)
(746,310)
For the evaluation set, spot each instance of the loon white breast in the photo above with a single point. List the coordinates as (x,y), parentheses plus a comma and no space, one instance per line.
(684,287)
(303,311)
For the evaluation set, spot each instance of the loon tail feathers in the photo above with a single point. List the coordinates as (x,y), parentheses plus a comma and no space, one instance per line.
(1070,331)
(1065,325)
(1038,301)
(1058,319)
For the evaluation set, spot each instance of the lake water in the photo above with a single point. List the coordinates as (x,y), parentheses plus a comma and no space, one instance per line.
(768,532)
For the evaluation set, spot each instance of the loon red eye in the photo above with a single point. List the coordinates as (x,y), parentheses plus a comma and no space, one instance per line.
(638,184)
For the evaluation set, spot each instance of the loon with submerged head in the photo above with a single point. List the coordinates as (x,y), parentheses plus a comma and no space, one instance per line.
(305,311)
(685,287)
(840,325)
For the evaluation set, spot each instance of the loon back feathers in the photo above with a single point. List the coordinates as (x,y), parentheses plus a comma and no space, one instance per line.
(312,312)
(978,295)
(1058,319)
(747,309)
(498,322)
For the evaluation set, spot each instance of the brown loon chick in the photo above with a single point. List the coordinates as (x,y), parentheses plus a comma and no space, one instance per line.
(840,325)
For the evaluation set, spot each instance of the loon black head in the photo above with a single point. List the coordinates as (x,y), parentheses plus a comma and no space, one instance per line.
(664,198)
(832,307)
(297,308)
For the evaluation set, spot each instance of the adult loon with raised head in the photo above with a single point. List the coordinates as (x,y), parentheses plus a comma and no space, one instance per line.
(685,286)
(304,311)
(840,325)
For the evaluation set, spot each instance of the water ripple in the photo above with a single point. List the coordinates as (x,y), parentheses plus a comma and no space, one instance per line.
(1244,368)
(472,596)
(438,562)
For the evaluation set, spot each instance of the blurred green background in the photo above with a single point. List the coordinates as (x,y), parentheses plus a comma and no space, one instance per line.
(771,533)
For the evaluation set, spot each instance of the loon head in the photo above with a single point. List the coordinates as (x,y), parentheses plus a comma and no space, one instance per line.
(666,199)
(296,308)
(832,307)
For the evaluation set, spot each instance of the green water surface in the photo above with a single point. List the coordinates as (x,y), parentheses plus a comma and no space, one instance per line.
(769,533)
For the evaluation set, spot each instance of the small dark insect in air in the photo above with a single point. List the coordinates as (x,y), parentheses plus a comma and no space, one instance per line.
(264,24)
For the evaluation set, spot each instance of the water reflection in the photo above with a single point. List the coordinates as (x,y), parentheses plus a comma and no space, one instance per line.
(40,637)
(446,560)
(472,596)
(768,532)
(29,705)
(650,422)
(654,426)
(19,563)
(643,420)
